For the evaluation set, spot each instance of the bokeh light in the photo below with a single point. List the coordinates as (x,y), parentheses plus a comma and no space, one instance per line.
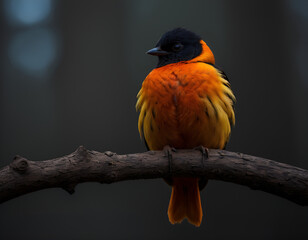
(27,11)
(299,10)
(33,50)
(299,7)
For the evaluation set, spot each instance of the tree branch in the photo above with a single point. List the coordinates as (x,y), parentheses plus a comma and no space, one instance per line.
(24,176)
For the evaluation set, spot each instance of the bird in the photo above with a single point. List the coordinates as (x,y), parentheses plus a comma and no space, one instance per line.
(185,102)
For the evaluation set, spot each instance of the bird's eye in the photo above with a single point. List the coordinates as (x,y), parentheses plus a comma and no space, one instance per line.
(177,47)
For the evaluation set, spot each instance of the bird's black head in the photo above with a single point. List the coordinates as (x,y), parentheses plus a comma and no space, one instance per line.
(177,45)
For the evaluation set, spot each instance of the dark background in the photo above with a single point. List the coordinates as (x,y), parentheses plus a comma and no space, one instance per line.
(70,72)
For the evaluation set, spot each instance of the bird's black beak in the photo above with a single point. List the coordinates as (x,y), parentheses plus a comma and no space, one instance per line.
(157,51)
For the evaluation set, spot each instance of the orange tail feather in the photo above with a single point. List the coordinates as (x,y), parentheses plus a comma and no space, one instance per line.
(185,201)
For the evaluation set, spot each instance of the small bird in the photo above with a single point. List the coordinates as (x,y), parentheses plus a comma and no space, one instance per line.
(185,102)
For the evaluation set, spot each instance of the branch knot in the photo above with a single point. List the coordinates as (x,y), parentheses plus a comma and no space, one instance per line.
(19,164)
(109,153)
(82,153)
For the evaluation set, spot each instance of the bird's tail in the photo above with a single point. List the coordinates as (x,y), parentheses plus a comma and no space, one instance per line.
(185,201)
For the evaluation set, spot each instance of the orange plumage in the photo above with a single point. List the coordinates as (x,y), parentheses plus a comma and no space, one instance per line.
(185,102)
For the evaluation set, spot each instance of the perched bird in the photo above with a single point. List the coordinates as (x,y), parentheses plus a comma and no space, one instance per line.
(185,102)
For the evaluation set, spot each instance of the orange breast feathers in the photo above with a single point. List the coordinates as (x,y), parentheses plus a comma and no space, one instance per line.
(184,105)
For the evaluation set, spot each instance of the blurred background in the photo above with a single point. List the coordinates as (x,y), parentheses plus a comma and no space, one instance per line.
(70,72)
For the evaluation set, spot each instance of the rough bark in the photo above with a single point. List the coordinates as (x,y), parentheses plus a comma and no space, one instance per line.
(24,176)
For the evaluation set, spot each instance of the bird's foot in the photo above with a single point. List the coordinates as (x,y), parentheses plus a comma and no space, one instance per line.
(204,151)
(205,155)
(168,153)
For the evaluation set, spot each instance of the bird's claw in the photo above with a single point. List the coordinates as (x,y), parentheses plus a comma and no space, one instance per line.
(168,153)
(204,151)
(205,155)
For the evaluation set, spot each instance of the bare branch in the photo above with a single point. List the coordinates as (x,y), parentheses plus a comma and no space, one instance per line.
(24,176)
